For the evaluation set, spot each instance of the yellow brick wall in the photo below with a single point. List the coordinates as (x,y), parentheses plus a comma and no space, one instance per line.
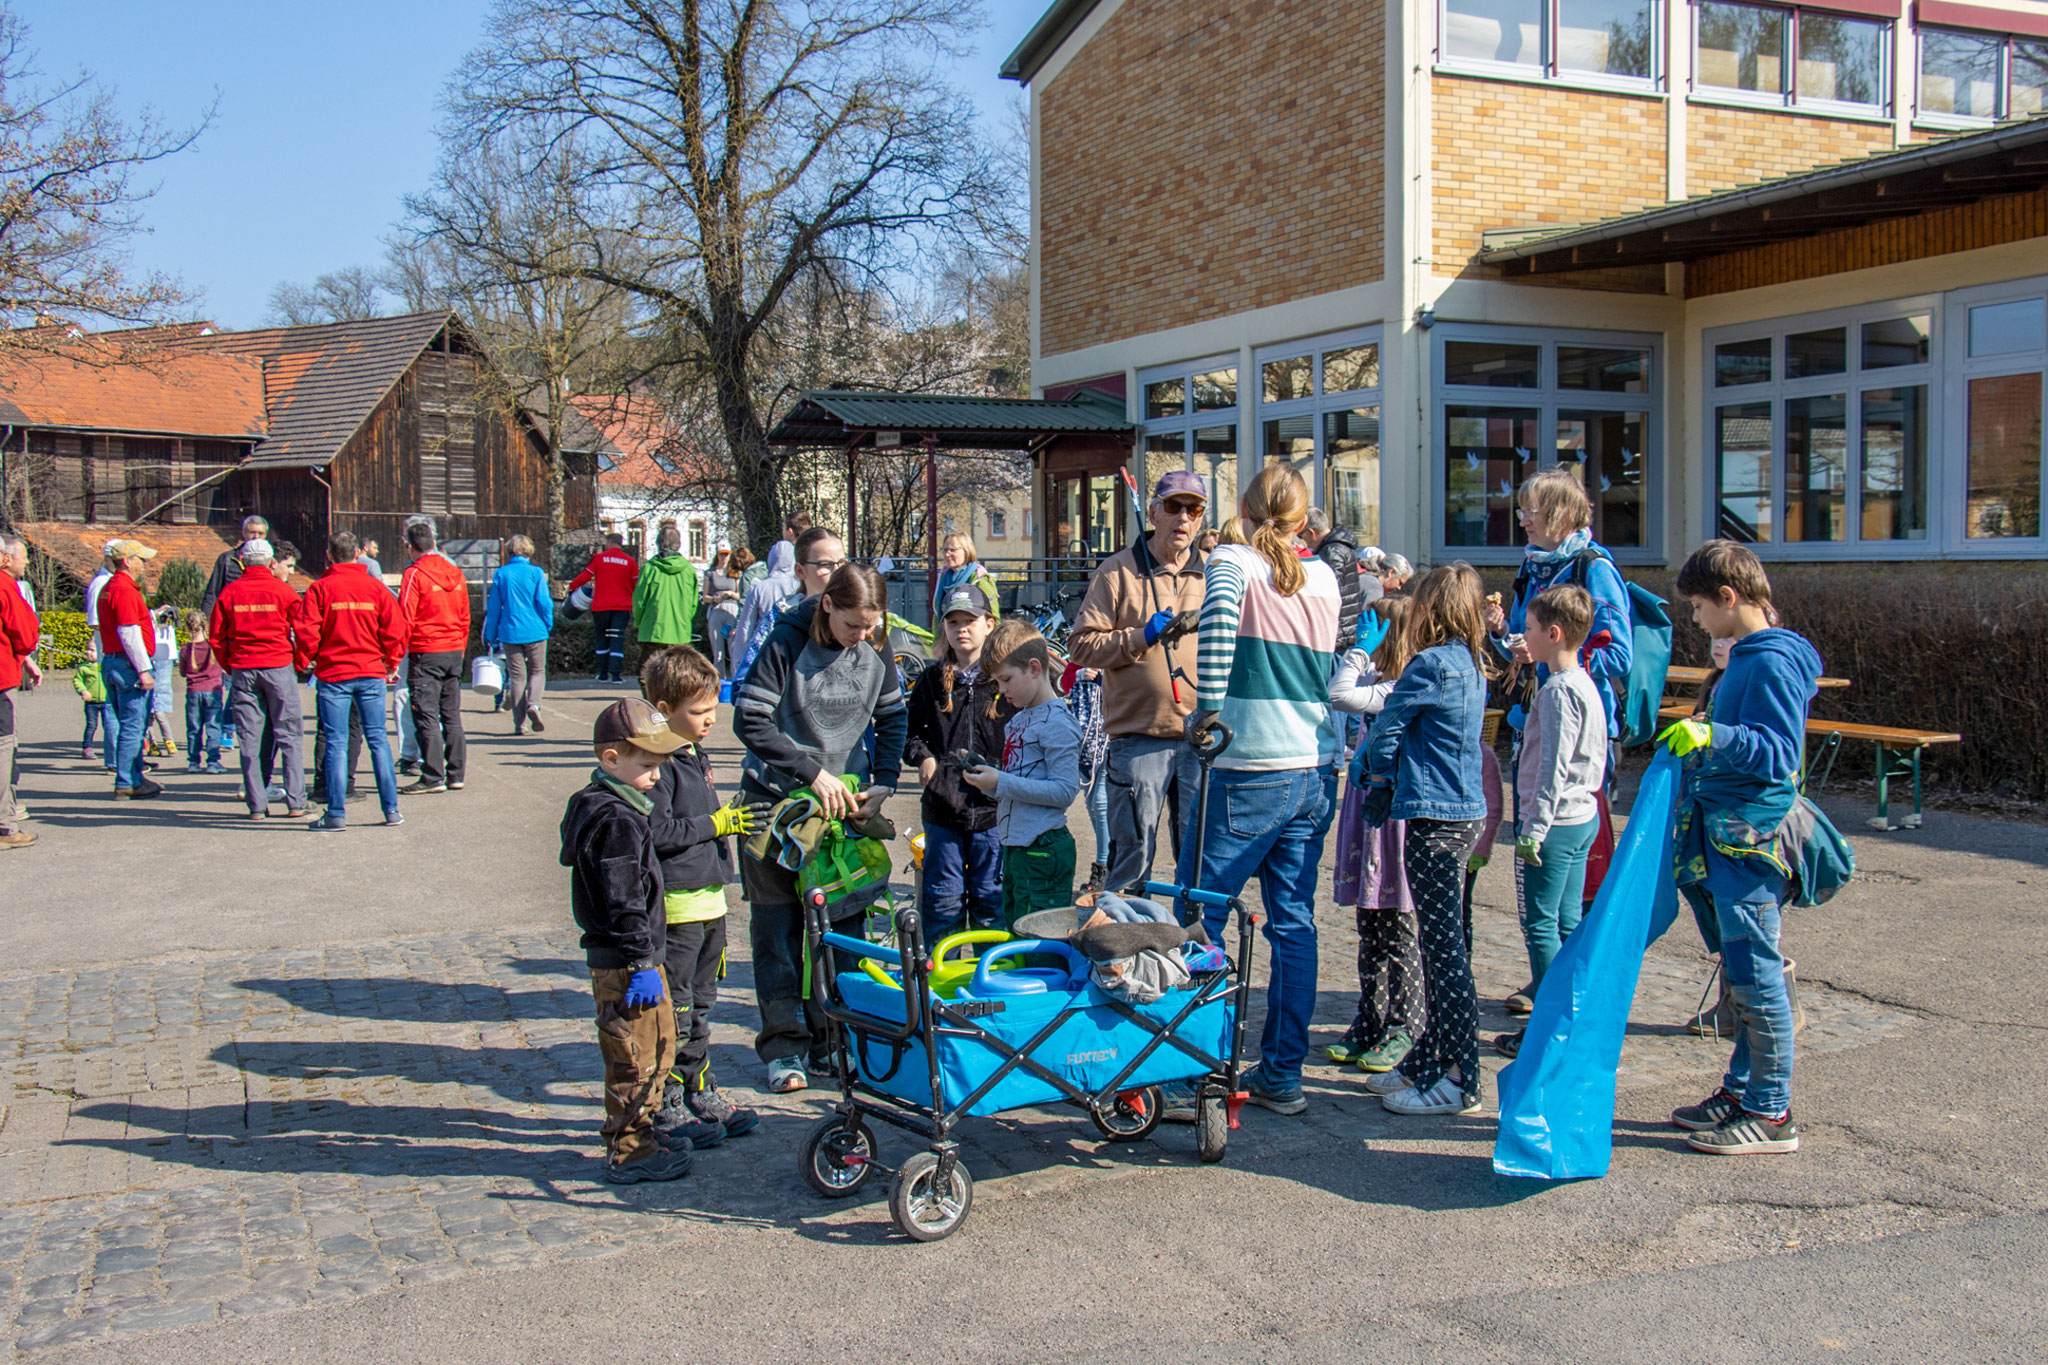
(1201,159)
(1729,147)
(1507,154)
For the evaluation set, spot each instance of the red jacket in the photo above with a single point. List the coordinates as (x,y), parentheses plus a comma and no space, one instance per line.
(19,631)
(615,573)
(433,601)
(252,621)
(122,604)
(348,627)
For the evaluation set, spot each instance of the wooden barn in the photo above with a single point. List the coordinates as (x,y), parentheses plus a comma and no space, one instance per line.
(344,426)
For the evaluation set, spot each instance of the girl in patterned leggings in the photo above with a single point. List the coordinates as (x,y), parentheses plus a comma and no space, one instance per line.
(1423,766)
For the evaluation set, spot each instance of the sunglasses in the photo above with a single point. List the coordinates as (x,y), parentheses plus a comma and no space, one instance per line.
(1182,509)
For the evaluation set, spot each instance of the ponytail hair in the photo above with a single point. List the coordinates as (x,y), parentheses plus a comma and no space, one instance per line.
(1275,506)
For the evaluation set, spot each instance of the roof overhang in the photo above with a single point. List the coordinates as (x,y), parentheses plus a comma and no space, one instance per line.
(2008,159)
(1054,27)
(841,420)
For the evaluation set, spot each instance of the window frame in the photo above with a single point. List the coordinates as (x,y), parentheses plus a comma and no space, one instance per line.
(1852,382)
(1190,421)
(1547,72)
(1548,399)
(1315,404)
(1941,118)
(1960,368)
(1788,97)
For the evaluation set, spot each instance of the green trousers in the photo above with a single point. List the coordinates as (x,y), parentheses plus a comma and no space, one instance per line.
(1038,875)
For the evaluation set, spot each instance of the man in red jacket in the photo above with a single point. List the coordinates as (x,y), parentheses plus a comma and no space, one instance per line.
(433,600)
(251,631)
(616,573)
(127,644)
(20,629)
(350,638)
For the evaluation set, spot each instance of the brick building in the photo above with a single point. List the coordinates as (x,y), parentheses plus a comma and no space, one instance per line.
(1767,271)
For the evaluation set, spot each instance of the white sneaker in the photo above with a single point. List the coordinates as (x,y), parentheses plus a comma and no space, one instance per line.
(274,795)
(1445,1097)
(1387,1082)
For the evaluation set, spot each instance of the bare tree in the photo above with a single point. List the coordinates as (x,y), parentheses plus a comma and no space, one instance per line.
(734,146)
(70,200)
(339,296)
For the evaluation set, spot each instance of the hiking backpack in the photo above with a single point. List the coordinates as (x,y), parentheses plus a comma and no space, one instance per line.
(1639,694)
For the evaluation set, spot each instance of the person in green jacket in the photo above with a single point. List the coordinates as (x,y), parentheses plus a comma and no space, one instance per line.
(665,598)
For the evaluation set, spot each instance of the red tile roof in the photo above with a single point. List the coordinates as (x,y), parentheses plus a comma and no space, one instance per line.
(653,453)
(98,385)
(79,547)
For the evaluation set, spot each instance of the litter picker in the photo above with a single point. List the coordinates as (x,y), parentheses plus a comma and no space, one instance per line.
(1174,672)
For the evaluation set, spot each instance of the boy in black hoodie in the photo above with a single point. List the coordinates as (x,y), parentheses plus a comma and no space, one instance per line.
(689,836)
(615,892)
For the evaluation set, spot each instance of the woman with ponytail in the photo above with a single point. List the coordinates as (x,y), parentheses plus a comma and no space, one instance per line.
(1268,628)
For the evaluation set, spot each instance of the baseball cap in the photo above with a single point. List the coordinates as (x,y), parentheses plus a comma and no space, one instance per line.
(966,597)
(634,721)
(1180,483)
(258,548)
(129,549)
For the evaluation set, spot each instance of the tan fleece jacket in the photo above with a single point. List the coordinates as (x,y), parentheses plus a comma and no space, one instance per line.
(1109,634)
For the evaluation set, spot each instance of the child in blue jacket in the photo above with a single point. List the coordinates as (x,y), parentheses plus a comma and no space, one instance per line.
(1742,759)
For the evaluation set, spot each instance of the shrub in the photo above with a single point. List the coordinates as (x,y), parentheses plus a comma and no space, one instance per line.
(180,583)
(65,639)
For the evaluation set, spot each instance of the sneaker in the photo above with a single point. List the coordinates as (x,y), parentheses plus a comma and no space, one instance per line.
(1445,1097)
(711,1105)
(423,788)
(19,838)
(330,823)
(677,1126)
(1387,1054)
(1177,1102)
(533,720)
(273,795)
(215,769)
(1387,1082)
(1745,1134)
(392,817)
(1508,1044)
(1267,1094)
(142,791)
(455,786)
(1347,1050)
(86,754)
(1522,1002)
(786,1074)
(194,769)
(1711,1112)
(295,813)
(662,1164)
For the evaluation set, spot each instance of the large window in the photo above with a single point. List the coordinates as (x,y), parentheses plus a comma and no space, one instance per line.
(1511,401)
(1190,422)
(1820,431)
(2002,335)
(1319,410)
(1980,76)
(1769,55)
(1596,42)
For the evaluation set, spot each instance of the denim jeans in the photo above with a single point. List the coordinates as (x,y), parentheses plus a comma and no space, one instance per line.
(96,714)
(1152,784)
(1273,824)
(401,714)
(128,707)
(1746,933)
(335,701)
(1095,795)
(203,715)
(962,881)
(1553,895)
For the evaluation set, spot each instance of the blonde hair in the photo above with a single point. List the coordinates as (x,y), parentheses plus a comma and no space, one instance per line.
(1557,496)
(966,543)
(1275,506)
(1231,532)
(1392,653)
(1449,603)
(194,622)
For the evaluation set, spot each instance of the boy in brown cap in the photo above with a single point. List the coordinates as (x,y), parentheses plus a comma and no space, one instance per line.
(615,891)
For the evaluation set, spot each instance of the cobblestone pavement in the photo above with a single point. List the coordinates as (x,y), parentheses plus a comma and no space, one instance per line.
(193,1140)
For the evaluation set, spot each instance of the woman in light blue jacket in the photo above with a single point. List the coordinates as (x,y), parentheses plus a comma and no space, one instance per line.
(518,614)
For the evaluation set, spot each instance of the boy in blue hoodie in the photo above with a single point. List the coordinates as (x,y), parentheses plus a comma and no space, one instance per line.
(1742,759)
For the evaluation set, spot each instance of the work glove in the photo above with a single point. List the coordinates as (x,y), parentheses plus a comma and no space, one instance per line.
(1197,727)
(737,819)
(1156,627)
(1377,805)
(1529,850)
(644,989)
(1476,861)
(1372,629)
(1183,624)
(1687,735)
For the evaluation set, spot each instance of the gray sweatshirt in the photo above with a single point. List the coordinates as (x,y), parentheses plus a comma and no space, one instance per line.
(1041,774)
(1564,755)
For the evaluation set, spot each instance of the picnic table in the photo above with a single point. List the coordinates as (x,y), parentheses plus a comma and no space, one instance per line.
(1685,673)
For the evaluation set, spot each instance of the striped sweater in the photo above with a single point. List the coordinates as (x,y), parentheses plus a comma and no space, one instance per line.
(1264,661)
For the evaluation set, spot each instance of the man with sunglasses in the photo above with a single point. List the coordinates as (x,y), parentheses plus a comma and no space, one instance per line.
(1141,602)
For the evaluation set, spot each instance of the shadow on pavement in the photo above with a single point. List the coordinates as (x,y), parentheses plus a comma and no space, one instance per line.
(420,1001)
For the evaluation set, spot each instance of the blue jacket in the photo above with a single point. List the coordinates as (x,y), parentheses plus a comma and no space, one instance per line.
(1759,718)
(1610,613)
(518,610)
(1426,738)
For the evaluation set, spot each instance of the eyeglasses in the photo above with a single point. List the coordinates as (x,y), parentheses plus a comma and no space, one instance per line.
(1183,509)
(824,565)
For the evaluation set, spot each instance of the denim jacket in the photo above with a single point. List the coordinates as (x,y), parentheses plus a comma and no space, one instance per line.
(1427,737)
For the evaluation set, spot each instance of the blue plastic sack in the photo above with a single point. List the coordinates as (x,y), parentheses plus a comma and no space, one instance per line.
(1557,1096)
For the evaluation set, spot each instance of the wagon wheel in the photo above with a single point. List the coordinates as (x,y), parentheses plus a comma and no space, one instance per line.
(1212,1128)
(1130,1117)
(920,1207)
(910,667)
(838,1156)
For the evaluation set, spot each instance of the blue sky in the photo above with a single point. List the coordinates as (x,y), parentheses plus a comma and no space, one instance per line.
(326,118)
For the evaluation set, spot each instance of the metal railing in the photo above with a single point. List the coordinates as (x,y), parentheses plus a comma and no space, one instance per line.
(1024,585)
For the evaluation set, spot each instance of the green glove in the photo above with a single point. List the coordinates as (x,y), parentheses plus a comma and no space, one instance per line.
(1687,735)
(1475,862)
(734,819)
(1529,850)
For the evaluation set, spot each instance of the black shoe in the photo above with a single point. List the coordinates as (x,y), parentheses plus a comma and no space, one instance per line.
(533,719)
(1711,1112)
(1508,1044)
(713,1107)
(409,767)
(423,788)
(665,1163)
(1098,878)
(678,1123)
(144,790)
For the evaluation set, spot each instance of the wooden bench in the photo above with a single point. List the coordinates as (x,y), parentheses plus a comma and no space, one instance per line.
(1686,673)
(1898,756)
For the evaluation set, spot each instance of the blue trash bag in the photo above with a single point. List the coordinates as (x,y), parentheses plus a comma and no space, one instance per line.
(1557,1096)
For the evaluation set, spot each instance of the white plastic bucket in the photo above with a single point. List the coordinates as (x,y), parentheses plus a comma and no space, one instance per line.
(577,603)
(487,674)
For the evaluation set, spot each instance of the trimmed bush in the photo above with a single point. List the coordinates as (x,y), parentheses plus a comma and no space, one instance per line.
(65,639)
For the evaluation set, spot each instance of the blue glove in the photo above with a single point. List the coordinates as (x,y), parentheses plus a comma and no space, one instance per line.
(1157,626)
(644,989)
(1377,805)
(1372,629)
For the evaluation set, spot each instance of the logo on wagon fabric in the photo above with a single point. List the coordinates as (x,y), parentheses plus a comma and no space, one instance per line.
(1107,1054)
